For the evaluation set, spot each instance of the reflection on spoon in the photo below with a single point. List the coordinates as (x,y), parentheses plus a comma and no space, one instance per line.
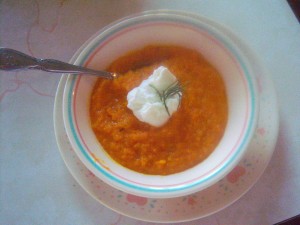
(11,59)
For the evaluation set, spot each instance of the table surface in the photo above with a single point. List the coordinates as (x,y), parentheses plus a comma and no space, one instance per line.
(35,185)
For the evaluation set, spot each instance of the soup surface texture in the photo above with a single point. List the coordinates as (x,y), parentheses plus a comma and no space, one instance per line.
(192,132)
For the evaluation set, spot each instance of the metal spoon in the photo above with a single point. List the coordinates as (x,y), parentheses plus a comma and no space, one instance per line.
(11,59)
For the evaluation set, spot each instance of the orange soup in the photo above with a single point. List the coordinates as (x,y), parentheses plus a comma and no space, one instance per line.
(192,132)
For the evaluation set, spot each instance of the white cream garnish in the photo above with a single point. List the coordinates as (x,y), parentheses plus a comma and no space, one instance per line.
(145,102)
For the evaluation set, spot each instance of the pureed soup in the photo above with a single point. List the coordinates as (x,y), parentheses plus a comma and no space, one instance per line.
(191,133)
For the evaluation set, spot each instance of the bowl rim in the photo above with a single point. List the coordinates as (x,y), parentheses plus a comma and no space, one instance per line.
(177,190)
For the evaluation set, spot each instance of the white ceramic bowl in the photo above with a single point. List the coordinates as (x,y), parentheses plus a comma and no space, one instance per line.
(218,45)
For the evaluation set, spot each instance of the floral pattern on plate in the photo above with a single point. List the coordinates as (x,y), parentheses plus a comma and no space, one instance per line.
(190,207)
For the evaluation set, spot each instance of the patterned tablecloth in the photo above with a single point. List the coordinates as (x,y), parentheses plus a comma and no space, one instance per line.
(35,185)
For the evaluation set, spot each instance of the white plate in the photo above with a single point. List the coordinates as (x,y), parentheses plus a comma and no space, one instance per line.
(191,207)
(202,203)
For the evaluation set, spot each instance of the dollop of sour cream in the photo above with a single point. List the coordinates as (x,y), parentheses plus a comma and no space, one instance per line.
(145,102)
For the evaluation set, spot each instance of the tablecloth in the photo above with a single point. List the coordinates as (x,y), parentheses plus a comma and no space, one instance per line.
(35,185)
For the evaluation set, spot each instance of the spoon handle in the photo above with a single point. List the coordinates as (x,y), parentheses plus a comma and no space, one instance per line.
(11,59)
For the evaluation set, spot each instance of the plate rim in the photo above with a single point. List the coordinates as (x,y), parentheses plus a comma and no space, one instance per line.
(57,111)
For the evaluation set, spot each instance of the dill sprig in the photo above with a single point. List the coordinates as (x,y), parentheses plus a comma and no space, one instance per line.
(173,89)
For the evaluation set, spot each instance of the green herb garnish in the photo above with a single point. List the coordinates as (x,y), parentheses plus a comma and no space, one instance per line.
(173,89)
